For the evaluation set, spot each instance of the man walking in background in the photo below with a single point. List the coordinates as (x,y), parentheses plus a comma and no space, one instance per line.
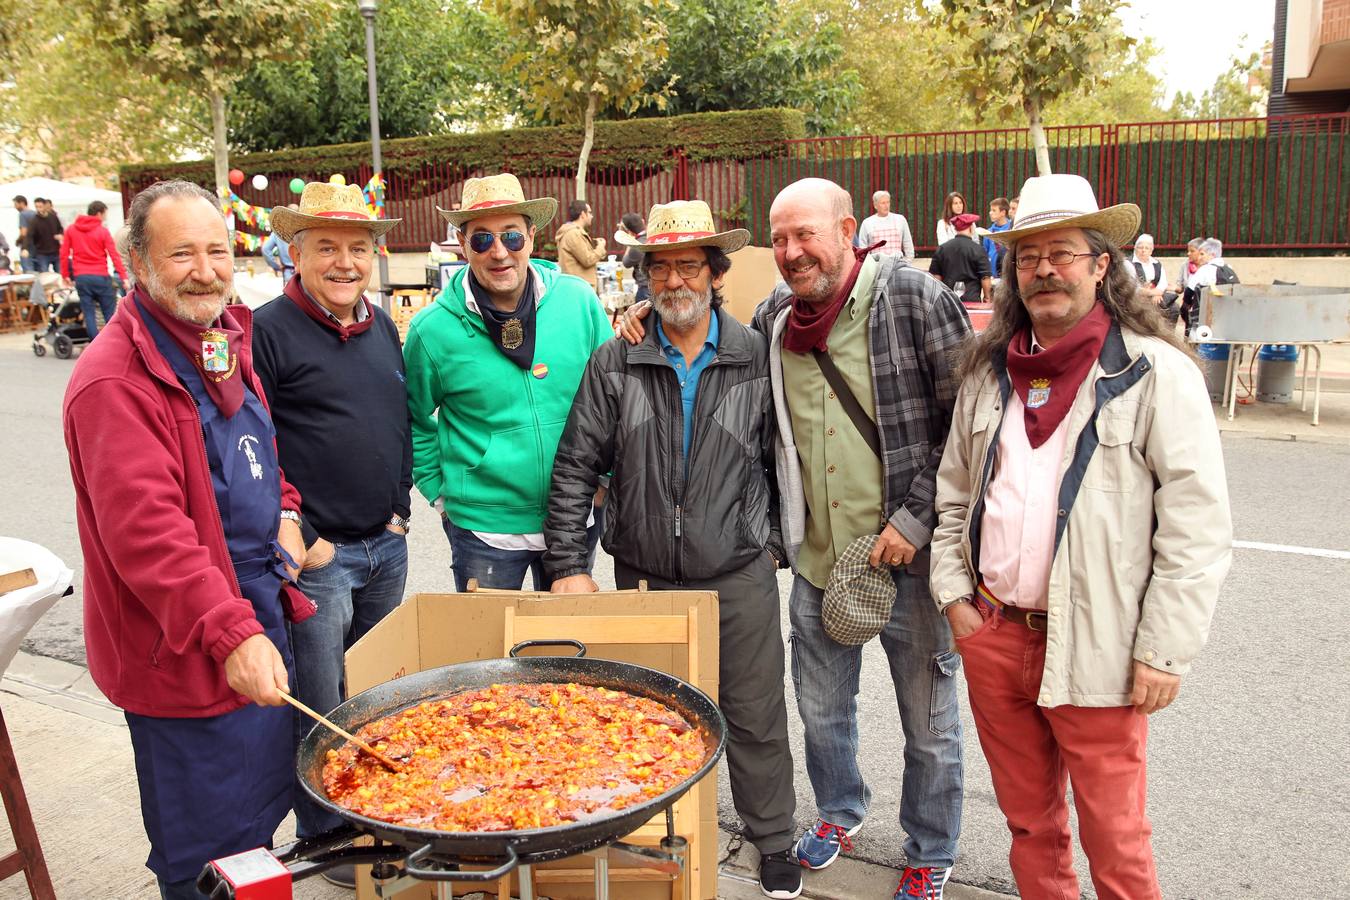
(85,255)
(962,265)
(44,235)
(578,252)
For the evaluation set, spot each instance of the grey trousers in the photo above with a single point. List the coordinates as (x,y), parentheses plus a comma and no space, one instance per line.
(750,695)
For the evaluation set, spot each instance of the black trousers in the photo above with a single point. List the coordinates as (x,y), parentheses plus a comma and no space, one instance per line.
(750,695)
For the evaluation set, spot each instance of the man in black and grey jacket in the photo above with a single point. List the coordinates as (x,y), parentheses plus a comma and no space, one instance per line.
(683,420)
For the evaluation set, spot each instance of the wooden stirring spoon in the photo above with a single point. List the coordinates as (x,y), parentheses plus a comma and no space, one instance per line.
(384,760)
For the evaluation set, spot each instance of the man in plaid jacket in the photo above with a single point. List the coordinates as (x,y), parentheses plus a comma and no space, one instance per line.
(891,331)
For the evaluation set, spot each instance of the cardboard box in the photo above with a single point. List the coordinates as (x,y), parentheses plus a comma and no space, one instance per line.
(432,630)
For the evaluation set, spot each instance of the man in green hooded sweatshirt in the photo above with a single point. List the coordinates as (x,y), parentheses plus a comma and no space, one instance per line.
(492,367)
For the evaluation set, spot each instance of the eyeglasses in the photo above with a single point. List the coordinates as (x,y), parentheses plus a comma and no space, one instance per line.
(482,241)
(688,268)
(1026,261)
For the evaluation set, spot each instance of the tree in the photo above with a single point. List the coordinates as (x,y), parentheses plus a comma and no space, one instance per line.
(204,45)
(757,54)
(438,64)
(1242,90)
(69,109)
(1059,47)
(582,56)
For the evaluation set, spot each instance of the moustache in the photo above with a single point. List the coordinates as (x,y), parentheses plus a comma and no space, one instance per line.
(192,287)
(335,275)
(1043,285)
(686,295)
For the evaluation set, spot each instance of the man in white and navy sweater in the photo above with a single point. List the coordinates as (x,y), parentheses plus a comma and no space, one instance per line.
(332,368)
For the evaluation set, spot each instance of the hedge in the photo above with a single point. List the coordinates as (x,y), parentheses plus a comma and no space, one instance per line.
(704,136)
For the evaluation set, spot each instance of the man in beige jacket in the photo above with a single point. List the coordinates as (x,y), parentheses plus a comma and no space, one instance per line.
(577,251)
(1083,535)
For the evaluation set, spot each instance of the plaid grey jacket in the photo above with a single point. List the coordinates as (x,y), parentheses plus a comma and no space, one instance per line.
(915,328)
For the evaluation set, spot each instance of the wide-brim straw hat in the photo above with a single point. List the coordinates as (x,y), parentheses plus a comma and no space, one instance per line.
(324,205)
(499,195)
(688,223)
(1067,201)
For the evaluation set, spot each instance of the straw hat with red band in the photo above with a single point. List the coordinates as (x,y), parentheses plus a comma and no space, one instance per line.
(1067,201)
(324,205)
(688,223)
(499,195)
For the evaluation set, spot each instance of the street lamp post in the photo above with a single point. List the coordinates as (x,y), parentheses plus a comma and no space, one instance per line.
(368,8)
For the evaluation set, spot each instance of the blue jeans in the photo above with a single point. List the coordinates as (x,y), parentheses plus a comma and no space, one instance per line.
(505,569)
(825,676)
(360,586)
(42,262)
(96,289)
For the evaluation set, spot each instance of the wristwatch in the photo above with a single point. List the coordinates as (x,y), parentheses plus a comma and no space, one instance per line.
(291,514)
(399,522)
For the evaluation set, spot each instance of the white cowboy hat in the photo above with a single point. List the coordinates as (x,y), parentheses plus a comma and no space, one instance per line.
(688,223)
(498,195)
(1066,201)
(324,205)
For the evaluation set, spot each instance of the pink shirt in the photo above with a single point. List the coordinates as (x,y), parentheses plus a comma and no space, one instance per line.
(1017,533)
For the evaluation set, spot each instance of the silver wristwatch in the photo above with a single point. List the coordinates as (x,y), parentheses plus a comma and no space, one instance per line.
(399,522)
(291,514)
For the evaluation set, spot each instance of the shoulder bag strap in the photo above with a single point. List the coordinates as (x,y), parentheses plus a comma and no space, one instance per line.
(866,427)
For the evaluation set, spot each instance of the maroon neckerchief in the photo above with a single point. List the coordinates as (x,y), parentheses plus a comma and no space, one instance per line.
(809,325)
(1047,381)
(220,375)
(311,308)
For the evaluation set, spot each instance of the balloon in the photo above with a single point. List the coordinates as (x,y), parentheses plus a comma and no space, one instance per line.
(236,177)
(337,178)
(297,185)
(260,182)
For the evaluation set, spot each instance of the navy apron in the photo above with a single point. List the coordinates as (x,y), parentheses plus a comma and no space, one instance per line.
(219,785)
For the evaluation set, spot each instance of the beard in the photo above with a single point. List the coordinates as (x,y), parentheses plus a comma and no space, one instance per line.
(682,308)
(189,300)
(829,275)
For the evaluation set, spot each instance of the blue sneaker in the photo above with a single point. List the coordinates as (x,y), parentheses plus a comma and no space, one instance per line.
(922,884)
(820,846)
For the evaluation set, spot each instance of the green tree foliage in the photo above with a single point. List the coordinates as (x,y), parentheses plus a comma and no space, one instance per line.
(1060,48)
(1232,96)
(757,54)
(203,45)
(577,57)
(438,67)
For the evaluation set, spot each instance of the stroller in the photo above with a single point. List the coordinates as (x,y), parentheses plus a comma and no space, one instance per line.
(65,325)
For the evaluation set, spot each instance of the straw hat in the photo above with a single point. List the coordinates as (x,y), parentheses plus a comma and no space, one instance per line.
(498,195)
(1066,201)
(688,223)
(324,205)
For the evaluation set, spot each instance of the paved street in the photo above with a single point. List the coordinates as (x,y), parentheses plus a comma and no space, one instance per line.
(1250,769)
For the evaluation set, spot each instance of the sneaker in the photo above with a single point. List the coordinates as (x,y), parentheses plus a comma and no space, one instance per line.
(922,884)
(820,846)
(342,876)
(780,875)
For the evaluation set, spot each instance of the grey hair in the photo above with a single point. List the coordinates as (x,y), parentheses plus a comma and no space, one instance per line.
(1144,238)
(1195,243)
(878,194)
(1213,247)
(138,235)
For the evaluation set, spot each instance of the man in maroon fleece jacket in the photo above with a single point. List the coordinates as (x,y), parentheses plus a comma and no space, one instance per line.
(85,253)
(191,537)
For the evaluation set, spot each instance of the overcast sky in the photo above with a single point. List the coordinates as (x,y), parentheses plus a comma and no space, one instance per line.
(1199,37)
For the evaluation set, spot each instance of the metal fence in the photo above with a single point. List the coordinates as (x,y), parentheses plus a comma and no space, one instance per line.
(1258,184)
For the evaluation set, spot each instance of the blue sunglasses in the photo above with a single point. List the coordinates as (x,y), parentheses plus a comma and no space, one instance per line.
(482,241)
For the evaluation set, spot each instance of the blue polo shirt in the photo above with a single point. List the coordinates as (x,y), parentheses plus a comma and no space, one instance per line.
(689,372)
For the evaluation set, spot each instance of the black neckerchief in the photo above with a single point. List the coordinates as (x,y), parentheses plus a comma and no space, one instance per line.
(512,332)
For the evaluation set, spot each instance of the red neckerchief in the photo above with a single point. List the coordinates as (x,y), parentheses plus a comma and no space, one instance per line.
(214,349)
(1191,268)
(809,325)
(297,296)
(1047,381)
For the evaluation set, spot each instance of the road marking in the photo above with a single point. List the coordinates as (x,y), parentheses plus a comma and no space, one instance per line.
(1285,548)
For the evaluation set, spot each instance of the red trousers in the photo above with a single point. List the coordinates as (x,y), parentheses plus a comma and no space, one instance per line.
(1032,751)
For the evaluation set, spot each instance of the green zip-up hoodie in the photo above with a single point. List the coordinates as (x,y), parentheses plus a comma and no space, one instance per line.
(484,430)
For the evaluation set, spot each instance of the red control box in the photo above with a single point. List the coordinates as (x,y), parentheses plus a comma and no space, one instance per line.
(253,875)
